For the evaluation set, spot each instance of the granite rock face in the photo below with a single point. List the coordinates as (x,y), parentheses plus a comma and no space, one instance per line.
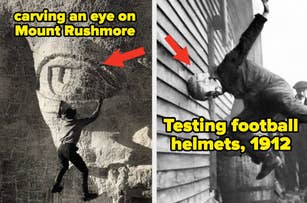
(36,73)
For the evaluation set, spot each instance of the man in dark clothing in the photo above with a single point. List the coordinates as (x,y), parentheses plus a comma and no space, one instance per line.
(263,93)
(301,91)
(292,176)
(297,157)
(301,139)
(69,136)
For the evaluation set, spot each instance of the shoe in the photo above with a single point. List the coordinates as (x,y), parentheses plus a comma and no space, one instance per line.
(57,188)
(89,196)
(256,160)
(269,164)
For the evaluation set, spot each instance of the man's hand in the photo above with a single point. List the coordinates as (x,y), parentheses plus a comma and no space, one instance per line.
(266,8)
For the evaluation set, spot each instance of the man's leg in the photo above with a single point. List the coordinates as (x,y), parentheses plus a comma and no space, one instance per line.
(78,162)
(248,115)
(268,159)
(64,167)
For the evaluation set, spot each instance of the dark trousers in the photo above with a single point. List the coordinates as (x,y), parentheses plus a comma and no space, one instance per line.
(68,152)
(248,115)
(256,156)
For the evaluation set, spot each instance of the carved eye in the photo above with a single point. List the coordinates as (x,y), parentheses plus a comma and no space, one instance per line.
(58,76)
(63,74)
(55,73)
(67,78)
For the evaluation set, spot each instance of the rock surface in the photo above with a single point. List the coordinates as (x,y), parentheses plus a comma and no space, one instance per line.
(116,147)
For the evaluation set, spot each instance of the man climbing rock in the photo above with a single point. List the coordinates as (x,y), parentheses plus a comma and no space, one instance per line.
(69,136)
(264,94)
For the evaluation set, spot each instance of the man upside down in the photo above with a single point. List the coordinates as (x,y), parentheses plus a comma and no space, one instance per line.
(263,93)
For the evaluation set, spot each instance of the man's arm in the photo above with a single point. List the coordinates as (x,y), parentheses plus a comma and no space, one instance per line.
(94,116)
(239,53)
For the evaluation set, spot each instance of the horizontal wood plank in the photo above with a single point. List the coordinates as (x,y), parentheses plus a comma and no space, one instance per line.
(164,143)
(169,161)
(169,179)
(182,192)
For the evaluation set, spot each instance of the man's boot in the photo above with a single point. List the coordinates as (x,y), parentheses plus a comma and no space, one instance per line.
(57,188)
(89,196)
(270,162)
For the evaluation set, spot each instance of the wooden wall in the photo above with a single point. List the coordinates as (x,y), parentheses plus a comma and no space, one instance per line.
(190,176)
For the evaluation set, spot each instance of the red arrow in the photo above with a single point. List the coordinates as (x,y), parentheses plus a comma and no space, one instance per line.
(117,59)
(181,53)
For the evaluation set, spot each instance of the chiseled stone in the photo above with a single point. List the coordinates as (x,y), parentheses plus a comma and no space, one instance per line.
(116,147)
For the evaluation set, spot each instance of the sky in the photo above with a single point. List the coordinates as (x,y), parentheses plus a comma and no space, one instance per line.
(284,39)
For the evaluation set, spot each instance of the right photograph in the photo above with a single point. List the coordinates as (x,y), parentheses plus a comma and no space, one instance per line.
(231,101)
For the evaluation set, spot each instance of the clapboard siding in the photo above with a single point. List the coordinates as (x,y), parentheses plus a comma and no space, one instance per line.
(184,192)
(170,179)
(185,176)
(173,161)
(203,196)
(164,144)
(182,100)
(173,88)
(176,76)
(183,35)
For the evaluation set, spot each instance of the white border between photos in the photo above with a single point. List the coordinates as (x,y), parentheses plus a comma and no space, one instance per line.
(154,102)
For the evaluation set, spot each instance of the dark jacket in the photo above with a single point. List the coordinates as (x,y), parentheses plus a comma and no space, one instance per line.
(259,88)
(239,75)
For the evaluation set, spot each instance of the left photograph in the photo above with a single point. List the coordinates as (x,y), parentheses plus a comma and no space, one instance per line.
(75,101)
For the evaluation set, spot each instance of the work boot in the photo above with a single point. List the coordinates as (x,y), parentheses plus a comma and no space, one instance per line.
(270,162)
(89,196)
(57,188)
(255,160)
